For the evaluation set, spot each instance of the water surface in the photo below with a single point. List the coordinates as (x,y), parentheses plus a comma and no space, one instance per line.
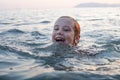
(27,52)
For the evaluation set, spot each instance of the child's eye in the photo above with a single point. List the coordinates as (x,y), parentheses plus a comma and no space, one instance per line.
(66,29)
(56,28)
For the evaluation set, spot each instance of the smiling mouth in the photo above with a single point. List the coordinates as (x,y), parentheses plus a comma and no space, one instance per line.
(59,39)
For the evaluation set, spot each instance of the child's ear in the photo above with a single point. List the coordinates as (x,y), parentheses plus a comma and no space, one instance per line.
(77,38)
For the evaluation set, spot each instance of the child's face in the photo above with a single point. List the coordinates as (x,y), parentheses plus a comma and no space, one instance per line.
(64,31)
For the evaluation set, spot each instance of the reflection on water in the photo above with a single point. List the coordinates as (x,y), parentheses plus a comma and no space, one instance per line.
(27,53)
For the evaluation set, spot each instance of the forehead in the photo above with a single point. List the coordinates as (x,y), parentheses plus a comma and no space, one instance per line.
(64,22)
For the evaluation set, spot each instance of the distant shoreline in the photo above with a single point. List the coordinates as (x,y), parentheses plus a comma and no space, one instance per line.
(96,5)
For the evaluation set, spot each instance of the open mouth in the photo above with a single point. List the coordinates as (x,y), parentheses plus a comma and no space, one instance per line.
(59,39)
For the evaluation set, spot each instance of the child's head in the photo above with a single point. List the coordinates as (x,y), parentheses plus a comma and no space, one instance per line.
(66,30)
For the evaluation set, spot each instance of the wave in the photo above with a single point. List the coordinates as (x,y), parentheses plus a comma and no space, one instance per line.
(45,22)
(21,24)
(13,31)
(12,51)
(36,33)
(31,23)
(95,19)
(62,75)
(5,23)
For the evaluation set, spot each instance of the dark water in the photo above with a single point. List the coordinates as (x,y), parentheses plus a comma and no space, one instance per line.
(27,53)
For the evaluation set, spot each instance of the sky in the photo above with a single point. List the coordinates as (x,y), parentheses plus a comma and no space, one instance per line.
(38,4)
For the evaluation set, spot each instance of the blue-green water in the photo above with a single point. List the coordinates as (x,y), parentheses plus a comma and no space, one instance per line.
(27,52)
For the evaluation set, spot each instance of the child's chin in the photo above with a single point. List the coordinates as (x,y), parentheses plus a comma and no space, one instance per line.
(61,43)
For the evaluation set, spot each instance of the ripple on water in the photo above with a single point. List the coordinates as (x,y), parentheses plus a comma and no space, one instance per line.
(45,22)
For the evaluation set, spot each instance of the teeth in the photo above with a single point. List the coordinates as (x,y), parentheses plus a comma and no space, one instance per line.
(59,39)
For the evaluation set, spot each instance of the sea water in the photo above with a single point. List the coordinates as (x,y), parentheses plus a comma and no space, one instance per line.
(27,51)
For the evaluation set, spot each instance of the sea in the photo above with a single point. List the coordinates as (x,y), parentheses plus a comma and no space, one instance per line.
(27,51)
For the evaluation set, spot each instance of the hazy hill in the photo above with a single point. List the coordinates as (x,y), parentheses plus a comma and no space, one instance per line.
(97,5)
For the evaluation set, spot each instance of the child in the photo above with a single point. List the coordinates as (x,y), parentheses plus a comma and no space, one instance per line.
(66,31)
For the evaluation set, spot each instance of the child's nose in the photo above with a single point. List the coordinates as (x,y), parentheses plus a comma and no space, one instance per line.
(60,32)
